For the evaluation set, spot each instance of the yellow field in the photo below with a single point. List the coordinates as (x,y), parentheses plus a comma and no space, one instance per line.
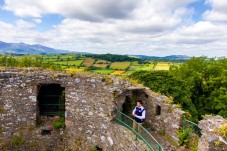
(162,66)
(88,62)
(100,65)
(120,65)
(117,72)
(101,61)
(73,70)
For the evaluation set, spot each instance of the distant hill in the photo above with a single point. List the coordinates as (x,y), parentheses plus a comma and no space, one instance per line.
(22,48)
(171,57)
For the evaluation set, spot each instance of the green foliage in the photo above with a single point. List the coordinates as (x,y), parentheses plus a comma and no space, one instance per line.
(112,57)
(103,71)
(193,143)
(184,135)
(199,85)
(17,141)
(165,83)
(26,61)
(58,124)
(93,68)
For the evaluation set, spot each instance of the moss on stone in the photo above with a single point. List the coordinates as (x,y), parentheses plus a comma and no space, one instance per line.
(108,80)
(78,143)
(169,139)
(1,131)
(2,110)
(16,140)
(169,100)
(32,144)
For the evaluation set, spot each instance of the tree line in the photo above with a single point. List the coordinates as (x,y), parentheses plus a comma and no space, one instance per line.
(199,85)
(26,61)
(112,57)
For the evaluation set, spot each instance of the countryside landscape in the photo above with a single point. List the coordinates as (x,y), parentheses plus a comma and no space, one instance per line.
(79,63)
(108,75)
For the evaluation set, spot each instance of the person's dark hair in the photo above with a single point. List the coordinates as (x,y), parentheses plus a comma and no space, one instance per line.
(141,102)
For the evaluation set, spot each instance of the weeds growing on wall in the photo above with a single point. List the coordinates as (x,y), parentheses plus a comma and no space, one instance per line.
(59,123)
(188,139)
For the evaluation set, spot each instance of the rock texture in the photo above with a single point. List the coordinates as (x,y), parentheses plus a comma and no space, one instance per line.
(90,102)
(213,138)
(167,122)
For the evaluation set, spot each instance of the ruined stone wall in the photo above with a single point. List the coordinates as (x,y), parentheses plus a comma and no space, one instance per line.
(90,104)
(214,130)
(170,118)
(89,115)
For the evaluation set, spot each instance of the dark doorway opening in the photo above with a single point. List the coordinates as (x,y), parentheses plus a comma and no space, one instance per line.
(51,100)
(158,110)
(130,103)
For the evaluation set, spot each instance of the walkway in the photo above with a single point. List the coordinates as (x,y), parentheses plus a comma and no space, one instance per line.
(153,140)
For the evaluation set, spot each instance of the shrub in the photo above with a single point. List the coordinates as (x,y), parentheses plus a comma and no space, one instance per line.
(184,135)
(58,124)
(188,139)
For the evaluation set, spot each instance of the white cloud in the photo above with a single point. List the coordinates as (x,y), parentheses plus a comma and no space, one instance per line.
(218,13)
(37,21)
(83,9)
(150,27)
(24,24)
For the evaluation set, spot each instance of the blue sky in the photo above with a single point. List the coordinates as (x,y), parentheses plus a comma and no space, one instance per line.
(148,27)
(200,7)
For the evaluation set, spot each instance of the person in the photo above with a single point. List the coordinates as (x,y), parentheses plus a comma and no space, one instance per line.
(139,113)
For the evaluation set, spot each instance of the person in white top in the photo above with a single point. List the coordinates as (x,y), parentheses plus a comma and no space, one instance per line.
(139,113)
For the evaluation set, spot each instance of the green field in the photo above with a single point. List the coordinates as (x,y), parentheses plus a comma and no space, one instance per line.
(135,63)
(76,62)
(141,67)
(120,65)
(73,63)
(103,71)
(106,67)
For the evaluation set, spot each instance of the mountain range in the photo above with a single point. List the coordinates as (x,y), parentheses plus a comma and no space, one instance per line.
(174,57)
(22,48)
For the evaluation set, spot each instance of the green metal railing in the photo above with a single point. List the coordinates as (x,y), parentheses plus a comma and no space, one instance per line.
(139,130)
(193,126)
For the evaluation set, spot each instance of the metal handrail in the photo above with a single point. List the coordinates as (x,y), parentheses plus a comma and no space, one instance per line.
(142,133)
(193,125)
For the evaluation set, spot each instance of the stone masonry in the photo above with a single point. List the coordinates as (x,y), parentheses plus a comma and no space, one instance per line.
(214,138)
(90,103)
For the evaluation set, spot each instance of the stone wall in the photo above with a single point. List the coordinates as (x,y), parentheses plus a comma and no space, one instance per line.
(89,108)
(214,130)
(90,104)
(170,118)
